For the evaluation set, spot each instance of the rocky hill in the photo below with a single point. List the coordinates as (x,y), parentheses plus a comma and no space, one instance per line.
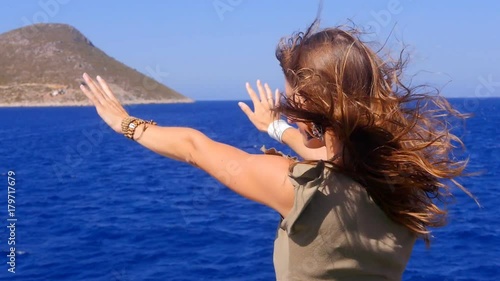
(42,65)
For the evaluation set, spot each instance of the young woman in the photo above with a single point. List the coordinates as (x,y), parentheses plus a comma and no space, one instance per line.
(379,153)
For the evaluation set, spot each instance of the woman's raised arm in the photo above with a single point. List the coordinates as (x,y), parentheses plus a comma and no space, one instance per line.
(261,178)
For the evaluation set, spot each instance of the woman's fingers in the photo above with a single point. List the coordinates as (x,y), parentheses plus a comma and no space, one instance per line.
(110,96)
(90,95)
(269,95)
(265,97)
(94,89)
(277,98)
(105,88)
(252,94)
(262,115)
(106,104)
(262,93)
(246,109)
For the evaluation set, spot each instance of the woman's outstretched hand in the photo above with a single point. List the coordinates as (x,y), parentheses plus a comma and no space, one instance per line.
(262,115)
(105,102)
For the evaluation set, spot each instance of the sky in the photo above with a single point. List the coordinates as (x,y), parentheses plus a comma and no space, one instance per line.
(208,49)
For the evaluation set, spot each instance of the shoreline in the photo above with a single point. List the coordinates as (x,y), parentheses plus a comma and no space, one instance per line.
(86,103)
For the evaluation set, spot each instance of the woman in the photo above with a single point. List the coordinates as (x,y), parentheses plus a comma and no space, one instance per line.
(379,152)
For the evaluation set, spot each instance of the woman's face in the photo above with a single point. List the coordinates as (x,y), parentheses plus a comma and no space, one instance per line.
(304,129)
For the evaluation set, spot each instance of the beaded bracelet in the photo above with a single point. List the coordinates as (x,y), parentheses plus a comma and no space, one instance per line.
(130,123)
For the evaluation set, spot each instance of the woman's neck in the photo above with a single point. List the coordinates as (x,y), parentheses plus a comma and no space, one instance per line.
(333,145)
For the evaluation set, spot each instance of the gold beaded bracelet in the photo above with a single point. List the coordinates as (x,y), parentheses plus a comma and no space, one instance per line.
(130,123)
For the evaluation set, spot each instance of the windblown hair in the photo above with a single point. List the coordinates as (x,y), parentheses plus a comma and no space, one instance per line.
(396,139)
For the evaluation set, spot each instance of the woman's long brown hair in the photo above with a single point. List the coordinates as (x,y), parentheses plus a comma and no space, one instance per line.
(396,139)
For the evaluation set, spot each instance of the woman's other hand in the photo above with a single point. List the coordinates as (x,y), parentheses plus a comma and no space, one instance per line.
(105,102)
(262,115)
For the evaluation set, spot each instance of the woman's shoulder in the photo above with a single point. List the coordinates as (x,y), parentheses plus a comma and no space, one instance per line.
(313,173)
(274,151)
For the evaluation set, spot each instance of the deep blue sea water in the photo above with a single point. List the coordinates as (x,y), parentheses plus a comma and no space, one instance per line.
(93,205)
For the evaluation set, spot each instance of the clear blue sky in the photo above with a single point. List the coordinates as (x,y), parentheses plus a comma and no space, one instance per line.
(208,49)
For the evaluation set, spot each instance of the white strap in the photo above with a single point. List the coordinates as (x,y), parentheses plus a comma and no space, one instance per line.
(277,128)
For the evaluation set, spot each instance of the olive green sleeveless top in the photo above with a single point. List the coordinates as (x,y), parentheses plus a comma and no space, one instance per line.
(336,232)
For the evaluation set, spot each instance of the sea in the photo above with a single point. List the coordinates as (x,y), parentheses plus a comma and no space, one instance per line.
(89,204)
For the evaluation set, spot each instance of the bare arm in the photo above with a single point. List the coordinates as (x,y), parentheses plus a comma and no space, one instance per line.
(262,178)
(262,116)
